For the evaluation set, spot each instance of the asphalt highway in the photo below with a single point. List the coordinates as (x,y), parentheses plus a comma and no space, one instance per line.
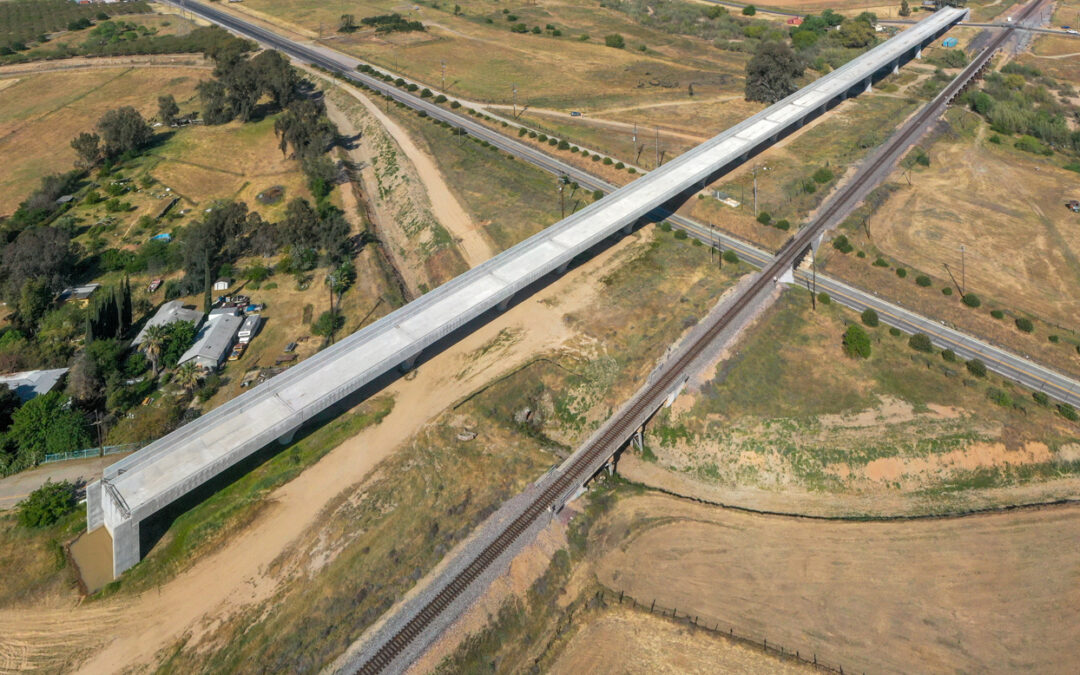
(997,359)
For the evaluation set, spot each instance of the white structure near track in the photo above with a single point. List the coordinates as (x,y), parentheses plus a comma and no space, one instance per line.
(146,482)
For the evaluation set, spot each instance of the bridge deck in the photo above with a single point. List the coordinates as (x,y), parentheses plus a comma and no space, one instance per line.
(177,463)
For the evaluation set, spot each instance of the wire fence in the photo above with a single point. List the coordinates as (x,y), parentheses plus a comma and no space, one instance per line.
(606,595)
(91,452)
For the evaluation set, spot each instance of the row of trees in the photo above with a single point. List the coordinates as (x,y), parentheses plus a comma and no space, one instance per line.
(240,82)
(1018,101)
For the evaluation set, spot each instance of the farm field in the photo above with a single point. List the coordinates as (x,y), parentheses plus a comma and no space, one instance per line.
(40,113)
(549,71)
(950,595)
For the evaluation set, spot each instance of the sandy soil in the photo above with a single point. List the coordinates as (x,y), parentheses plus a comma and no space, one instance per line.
(624,641)
(993,593)
(236,576)
(447,209)
(83,62)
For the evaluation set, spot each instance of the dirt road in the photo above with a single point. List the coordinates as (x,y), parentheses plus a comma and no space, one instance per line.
(15,488)
(994,593)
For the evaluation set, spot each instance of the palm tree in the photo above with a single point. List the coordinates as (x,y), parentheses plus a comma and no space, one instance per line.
(153,344)
(188,376)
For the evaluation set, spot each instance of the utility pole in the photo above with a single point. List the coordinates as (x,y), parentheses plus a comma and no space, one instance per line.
(514,88)
(330,281)
(657,146)
(562,196)
(754,172)
(443,62)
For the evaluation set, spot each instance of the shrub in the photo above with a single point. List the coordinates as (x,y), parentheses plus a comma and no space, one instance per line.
(563,145)
(824,298)
(522,131)
(949,355)
(920,342)
(870,317)
(1068,412)
(947,290)
(881,262)
(536,30)
(976,368)
(426,93)
(749,10)
(615,41)
(1000,397)
(1041,398)
(731,256)
(680,234)
(327,323)
(620,166)
(809,187)
(596,158)
(901,272)
(597,195)
(783,224)
(631,170)
(972,300)
(440,99)
(822,175)
(455,104)
(542,138)
(922,280)
(553,142)
(1033,145)
(1025,324)
(1053,338)
(995,139)
(764,218)
(894,331)
(856,342)
(665,226)
(519,28)
(47,504)
(608,161)
(842,244)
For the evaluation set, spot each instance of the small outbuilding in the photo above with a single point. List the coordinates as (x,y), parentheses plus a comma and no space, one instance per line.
(222,284)
(79,294)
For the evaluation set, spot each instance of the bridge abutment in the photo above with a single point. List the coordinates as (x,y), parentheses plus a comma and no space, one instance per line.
(125,546)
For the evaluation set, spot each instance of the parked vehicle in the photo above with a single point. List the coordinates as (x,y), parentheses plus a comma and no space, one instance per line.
(237,351)
(575,113)
(249,328)
(154,285)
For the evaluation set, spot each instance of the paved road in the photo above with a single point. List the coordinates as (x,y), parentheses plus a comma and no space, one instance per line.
(15,488)
(1021,369)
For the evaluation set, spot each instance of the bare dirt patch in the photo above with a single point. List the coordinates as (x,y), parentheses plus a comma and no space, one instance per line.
(951,595)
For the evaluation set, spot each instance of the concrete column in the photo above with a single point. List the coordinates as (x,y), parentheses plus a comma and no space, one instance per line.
(287,437)
(628,228)
(563,267)
(95,514)
(867,90)
(503,304)
(408,363)
(125,545)
(918,53)
(895,67)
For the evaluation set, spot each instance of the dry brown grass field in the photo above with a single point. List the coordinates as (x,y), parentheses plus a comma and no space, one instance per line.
(622,640)
(992,593)
(41,113)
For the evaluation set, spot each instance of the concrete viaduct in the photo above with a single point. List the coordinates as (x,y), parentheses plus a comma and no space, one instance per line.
(146,482)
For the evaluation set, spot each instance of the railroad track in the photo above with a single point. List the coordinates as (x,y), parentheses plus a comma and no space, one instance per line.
(599,449)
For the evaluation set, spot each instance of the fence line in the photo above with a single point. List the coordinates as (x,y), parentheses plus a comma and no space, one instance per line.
(693,620)
(91,452)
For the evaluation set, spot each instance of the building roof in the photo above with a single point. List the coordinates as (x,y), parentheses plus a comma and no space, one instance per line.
(169,313)
(78,292)
(214,339)
(31,383)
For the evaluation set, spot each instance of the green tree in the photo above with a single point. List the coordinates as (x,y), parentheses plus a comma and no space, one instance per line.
(976,368)
(167,109)
(870,317)
(35,299)
(215,105)
(327,324)
(48,424)
(9,403)
(905,8)
(47,504)
(615,40)
(771,73)
(153,345)
(920,342)
(749,10)
(88,147)
(347,23)
(188,376)
(856,342)
(124,130)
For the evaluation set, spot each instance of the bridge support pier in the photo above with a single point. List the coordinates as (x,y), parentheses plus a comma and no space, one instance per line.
(125,546)
(503,304)
(638,439)
(918,53)
(867,90)
(563,267)
(627,229)
(408,363)
(895,67)
(287,437)
(95,511)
